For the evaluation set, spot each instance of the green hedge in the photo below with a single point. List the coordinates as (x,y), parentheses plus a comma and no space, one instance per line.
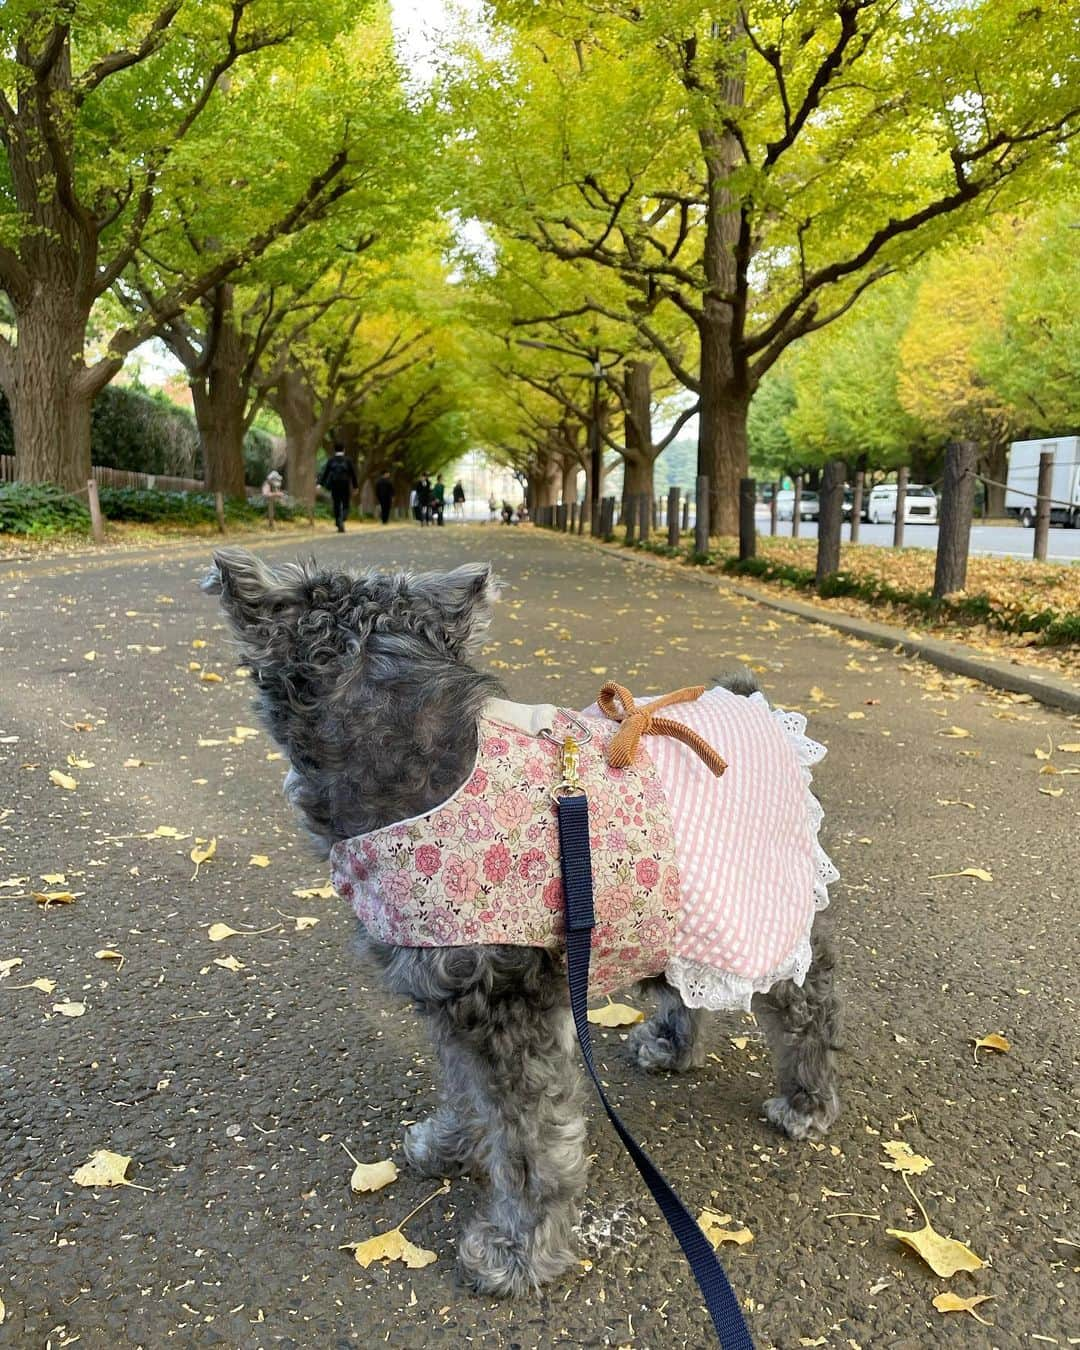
(145,431)
(39,511)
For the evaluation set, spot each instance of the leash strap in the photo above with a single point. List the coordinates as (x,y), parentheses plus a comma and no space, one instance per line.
(731,1328)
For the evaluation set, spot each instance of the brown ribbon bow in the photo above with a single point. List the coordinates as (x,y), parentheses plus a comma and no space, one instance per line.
(638,722)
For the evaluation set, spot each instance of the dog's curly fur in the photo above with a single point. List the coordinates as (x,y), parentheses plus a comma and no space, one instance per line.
(366,682)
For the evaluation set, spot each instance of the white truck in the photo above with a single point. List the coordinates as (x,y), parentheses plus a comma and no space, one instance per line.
(1023,480)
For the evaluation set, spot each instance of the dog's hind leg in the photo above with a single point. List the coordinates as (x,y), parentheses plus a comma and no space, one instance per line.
(670,1039)
(802,1024)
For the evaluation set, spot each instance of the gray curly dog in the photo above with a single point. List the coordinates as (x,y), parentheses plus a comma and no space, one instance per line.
(366,682)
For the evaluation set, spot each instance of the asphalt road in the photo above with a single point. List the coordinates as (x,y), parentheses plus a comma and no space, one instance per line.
(236,1091)
(999,541)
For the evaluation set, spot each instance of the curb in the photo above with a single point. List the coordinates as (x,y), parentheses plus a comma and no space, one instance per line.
(1051,690)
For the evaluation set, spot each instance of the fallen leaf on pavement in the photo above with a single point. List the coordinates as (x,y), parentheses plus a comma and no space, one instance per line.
(165,832)
(326,892)
(954,733)
(107,954)
(1071,748)
(714,1226)
(56,897)
(979,873)
(104,1169)
(8,965)
(76,763)
(63,780)
(229,963)
(992,1042)
(200,855)
(68,1008)
(950,1302)
(1052,792)
(211,677)
(955,801)
(218,932)
(615,1015)
(904,1158)
(856,716)
(395,1246)
(372,1176)
(137,763)
(54,878)
(258,860)
(944,1255)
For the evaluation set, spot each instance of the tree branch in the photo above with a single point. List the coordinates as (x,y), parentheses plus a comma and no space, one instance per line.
(677,426)
(123,58)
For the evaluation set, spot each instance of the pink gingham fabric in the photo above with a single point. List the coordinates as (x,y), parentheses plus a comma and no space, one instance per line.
(713,881)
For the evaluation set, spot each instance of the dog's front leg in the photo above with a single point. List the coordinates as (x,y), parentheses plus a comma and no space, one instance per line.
(507,1046)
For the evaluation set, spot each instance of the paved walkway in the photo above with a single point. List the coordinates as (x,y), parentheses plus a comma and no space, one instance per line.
(235,1091)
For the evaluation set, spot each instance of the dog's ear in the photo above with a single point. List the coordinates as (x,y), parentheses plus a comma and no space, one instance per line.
(245,585)
(464,599)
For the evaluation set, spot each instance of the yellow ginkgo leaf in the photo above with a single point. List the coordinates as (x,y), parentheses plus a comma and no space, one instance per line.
(69,1008)
(210,740)
(992,1042)
(63,780)
(9,964)
(856,716)
(372,1176)
(615,1015)
(103,1169)
(229,963)
(304,921)
(166,832)
(904,1159)
(715,1228)
(218,932)
(1040,753)
(326,892)
(950,1302)
(3,1312)
(258,860)
(979,873)
(137,763)
(1052,792)
(77,763)
(1070,748)
(45,985)
(955,733)
(945,1256)
(198,643)
(107,954)
(200,854)
(56,897)
(244,733)
(54,878)
(392,1246)
(211,677)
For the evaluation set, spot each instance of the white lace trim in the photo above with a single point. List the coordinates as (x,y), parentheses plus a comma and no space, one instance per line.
(703,986)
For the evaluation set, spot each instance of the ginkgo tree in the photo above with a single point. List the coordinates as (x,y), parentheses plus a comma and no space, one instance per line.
(759,166)
(109,113)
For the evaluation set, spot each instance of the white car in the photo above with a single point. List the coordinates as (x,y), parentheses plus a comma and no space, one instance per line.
(785,505)
(920,505)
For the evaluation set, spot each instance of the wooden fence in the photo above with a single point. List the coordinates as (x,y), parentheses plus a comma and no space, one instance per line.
(119,478)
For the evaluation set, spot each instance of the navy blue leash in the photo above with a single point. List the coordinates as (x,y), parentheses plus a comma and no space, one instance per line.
(731,1328)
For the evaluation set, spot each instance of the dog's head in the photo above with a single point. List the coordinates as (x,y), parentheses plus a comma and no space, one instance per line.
(360,675)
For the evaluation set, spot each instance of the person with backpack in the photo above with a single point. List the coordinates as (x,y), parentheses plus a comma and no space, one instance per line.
(459,500)
(384,495)
(339,479)
(438,499)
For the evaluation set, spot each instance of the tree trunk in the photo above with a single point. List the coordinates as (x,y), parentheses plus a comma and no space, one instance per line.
(954,526)
(219,414)
(724,382)
(830,519)
(570,470)
(51,393)
(294,402)
(994,463)
(637,432)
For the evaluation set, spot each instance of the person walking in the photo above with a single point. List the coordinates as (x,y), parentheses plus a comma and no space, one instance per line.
(384,495)
(438,499)
(459,500)
(423,500)
(493,508)
(339,478)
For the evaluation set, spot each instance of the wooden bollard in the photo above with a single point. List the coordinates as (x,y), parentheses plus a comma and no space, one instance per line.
(97,525)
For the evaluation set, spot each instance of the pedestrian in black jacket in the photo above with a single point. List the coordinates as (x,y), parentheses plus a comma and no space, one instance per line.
(384,495)
(339,478)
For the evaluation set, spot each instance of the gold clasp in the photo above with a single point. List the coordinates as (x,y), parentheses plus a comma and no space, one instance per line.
(571,761)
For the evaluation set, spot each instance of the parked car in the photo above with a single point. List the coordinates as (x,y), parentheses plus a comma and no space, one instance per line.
(1023,479)
(785,505)
(920,504)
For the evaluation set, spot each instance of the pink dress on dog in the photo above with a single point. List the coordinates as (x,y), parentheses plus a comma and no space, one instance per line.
(713,882)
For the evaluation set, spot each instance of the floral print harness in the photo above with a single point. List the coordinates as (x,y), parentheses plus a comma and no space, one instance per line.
(484,866)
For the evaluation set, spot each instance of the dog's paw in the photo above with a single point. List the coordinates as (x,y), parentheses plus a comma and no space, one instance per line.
(433,1149)
(803,1117)
(657,1053)
(504,1265)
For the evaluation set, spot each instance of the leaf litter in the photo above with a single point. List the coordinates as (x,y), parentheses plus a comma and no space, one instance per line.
(394,1245)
